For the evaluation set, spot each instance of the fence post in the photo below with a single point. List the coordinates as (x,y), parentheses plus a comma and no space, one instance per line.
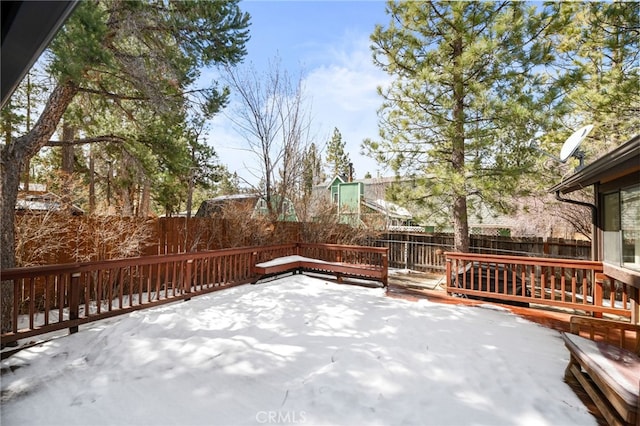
(598,292)
(186,286)
(406,255)
(74,300)
(385,269)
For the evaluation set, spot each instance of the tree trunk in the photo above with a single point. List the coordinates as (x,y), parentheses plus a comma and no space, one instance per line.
(109,180)
(12,157)
(145,199)
(92,182)
(127,207)
(9,194)
(68,134)
(190,194)
(68,160)
(26,174)
(461,240)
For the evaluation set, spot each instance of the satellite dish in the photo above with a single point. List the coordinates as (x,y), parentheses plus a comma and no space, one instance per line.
(571,145)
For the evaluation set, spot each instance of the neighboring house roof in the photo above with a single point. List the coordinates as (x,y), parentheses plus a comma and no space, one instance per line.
(388,208)
(215,205)
(223,198)
(621,161)
(368,181)
(330,183)
(34,187)
(381,180)
(44,203)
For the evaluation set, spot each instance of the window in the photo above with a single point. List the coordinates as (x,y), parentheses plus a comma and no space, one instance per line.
(630,224)
(611,228)
(621,227)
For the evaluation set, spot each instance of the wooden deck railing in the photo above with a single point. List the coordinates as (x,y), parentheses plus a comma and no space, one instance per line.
(55,297)
(357,255)
(573,284)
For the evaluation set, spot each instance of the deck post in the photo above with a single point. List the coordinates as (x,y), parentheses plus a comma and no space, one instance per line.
(74,300)
(254,261)
(635,305)
(448,263)
(252,267)
(186,285)
(597,292)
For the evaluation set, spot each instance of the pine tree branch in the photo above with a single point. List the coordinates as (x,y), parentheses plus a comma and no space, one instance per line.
(104,138)
(113,95)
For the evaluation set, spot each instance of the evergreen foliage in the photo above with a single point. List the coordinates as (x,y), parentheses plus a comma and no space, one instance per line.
(338,161)
(597,46)
(468,94)
(133,66)
(312,169)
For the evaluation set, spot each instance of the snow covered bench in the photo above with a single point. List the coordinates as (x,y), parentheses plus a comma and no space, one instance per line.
(609,373)
(299,264)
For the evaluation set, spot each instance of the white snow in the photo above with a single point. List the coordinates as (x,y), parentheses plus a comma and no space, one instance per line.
(297,350)
(290,259)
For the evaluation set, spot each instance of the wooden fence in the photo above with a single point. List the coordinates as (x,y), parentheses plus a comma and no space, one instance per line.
(55,297)
(90,238)
(425,252)
(55,239)
(47,239)
(573,284)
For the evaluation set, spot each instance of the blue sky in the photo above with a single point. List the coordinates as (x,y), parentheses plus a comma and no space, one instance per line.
(329,42)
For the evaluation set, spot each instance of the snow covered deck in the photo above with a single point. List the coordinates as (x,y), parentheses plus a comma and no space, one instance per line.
(53,297)
(297,350)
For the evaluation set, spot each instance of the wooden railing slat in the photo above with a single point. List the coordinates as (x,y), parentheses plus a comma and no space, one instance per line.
(151,280)
(579,282)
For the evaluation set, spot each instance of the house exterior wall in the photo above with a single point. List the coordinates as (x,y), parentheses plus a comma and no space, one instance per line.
(618,227)
(348,205)
(349,197)
(616,180)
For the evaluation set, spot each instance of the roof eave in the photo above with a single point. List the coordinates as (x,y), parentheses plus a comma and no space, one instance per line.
(626,157)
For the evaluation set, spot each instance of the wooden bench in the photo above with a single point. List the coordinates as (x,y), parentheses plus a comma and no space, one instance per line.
(605,361)
(298,264)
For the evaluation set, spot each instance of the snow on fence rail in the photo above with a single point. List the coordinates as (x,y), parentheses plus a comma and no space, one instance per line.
(574,284)
(54,297)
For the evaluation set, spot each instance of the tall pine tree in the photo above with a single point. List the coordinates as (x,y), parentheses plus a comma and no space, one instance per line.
(338,161)
(137,52)
(464,101)
(312,169)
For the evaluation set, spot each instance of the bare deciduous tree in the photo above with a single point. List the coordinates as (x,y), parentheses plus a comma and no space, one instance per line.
(273,119)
